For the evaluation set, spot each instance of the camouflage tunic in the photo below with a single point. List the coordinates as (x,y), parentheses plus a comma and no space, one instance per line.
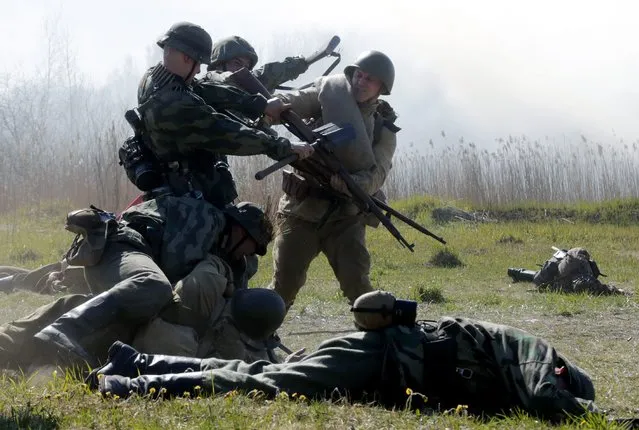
(493,368)
(572,273)
(182,127)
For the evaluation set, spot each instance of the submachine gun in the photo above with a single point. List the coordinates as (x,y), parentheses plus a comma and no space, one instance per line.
(323,164)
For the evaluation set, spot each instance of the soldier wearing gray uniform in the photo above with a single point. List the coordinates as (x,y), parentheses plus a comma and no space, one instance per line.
(161,240)
(571,271)
(309,222)
(489,367)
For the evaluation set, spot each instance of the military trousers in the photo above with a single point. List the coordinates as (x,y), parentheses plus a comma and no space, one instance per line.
(130,290)
(351,366)
(18,347)
(342,241)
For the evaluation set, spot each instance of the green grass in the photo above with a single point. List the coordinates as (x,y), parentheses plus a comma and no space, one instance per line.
(599,333)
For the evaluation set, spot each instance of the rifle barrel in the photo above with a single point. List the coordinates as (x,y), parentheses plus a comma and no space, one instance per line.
(407,220)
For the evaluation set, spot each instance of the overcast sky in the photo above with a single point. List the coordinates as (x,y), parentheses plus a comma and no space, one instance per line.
(478,69)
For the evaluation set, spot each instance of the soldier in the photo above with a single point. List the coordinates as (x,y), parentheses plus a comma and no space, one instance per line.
(159,241)
(310,222)
(49,279)
(571,271)
(212,315)
(217,316)
(454,361)
(233,53)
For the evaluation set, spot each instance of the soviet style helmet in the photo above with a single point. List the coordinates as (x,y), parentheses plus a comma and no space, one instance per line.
(257,312)
(254,221)
(377,64)
(189,38)
(229,48)
(373,310)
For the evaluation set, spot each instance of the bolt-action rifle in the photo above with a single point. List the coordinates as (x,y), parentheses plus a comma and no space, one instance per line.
(323,164)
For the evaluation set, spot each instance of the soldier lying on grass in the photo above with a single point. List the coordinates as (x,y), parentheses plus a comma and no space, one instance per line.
(489,367)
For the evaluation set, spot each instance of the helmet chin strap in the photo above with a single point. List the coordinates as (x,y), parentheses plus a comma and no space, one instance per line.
(239,243)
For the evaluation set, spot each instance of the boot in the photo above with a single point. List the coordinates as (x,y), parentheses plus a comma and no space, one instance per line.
(6,284)
(124,360)
(170,385)
(77,325)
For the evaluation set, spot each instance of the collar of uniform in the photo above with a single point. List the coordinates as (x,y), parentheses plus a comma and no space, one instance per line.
(162,77)
(367,108)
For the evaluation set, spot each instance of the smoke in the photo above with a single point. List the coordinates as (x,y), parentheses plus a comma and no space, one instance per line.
(477,70)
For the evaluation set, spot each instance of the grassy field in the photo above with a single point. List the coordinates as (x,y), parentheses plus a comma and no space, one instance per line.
(599,333)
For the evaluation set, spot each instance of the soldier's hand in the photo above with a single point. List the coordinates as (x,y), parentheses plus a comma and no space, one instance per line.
(275,107)
(302,149)
(338,184)
(295,356)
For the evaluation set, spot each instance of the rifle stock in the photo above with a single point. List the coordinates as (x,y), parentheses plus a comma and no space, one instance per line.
(294,123)
(332,44)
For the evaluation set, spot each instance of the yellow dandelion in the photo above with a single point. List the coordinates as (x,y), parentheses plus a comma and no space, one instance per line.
(152,390)
(302,398)
(116,397)
(409,392)
(461,408)
(186,394)
(197,388)
(162,390)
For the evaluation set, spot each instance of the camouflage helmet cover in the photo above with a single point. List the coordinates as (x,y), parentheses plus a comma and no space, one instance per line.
(373,310)
(257,312)
(377,64)
(190,39)
(253,219)
(231,47)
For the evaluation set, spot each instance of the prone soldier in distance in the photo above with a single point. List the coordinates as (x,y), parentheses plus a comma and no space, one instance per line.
(568,271)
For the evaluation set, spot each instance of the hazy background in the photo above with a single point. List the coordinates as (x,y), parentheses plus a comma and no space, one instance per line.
(481,70)
(481,89)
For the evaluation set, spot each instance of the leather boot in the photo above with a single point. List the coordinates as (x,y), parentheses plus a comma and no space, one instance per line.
(169,385)
(69,331)
(124,360)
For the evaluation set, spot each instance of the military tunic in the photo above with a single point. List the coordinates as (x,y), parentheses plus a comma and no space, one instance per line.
(342,237)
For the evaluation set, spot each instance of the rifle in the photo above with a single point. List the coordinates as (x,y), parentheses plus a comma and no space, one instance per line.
(327,51)
(323,164)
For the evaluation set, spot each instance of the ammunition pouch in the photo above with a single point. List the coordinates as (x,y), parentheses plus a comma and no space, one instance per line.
(295,185)
(92,227)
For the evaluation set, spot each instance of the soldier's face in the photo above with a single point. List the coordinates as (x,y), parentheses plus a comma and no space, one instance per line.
(366,87)
(238,63)
(241,243)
